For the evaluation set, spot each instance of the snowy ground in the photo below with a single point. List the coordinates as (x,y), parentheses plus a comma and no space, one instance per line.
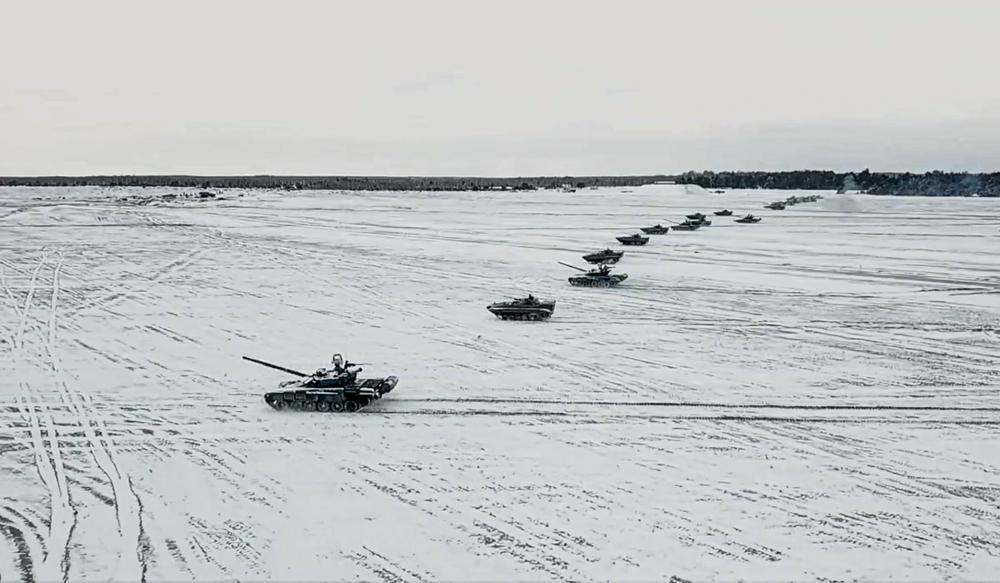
(814,396)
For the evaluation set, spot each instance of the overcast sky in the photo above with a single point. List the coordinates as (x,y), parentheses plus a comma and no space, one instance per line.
(497,87)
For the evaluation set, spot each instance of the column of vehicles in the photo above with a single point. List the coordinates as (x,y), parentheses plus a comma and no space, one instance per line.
(532,308)
(337,388)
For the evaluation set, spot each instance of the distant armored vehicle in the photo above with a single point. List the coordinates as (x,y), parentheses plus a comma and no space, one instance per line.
(723,213)
(328,389)
(606,256)
(636,239)
(778,205)
(686,226)
(599,277)
(748,219)
(695,217)
(529,308)
(656,229)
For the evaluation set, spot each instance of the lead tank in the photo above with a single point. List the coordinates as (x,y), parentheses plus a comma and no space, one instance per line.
(327,390)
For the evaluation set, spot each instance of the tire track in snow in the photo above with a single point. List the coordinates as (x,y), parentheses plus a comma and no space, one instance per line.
(132,562)
(51,562)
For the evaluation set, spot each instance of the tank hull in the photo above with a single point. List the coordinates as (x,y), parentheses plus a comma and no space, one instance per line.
(597,281)
(602,258)
(725,213)
(686,227)
(300,396)
(657,230)
(633,240)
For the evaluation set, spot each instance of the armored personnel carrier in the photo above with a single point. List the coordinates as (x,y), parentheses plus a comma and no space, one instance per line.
(606,256)
(748,219)
(636,239)
(598,277)
(723,213)
(656,229)
(529,308)
(337,389)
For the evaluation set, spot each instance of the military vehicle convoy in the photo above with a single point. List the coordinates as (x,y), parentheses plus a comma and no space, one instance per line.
(333,389)
(338,388)
(529,308)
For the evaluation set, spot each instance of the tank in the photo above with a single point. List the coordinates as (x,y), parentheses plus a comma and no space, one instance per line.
(687,226)
(776,206)
(598,277)
(325,392)
(656,229)
(606,256)
(748,219)
(695,217)
(636,239)
(724,213)
(529,308)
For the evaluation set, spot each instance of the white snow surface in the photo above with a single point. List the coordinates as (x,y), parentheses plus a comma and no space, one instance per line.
(811,397)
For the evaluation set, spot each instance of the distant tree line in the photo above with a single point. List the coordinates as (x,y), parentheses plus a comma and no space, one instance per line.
(889,183)
(337,182)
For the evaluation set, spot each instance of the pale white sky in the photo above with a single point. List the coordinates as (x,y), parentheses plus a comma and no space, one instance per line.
(497,87)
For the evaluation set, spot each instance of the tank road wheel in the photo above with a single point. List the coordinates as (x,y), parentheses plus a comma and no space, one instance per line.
(278,404)
(337,406)
(351,406)
(308,406)
(323,406)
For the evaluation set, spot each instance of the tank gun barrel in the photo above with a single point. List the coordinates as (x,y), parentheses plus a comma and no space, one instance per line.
(573,266)
(274,366)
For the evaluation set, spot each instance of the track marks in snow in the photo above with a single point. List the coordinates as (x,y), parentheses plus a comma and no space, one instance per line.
(50,560)
(99,444)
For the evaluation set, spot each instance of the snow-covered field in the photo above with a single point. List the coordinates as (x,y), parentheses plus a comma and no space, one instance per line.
(815,396)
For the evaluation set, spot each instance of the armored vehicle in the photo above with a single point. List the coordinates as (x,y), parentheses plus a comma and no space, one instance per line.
(656,229)
(636,239)
(598,277)
(606,256)
(695,217)
(686,226)
(529,308)
(748,219)
(778,205)
(328,389)
(723,213)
